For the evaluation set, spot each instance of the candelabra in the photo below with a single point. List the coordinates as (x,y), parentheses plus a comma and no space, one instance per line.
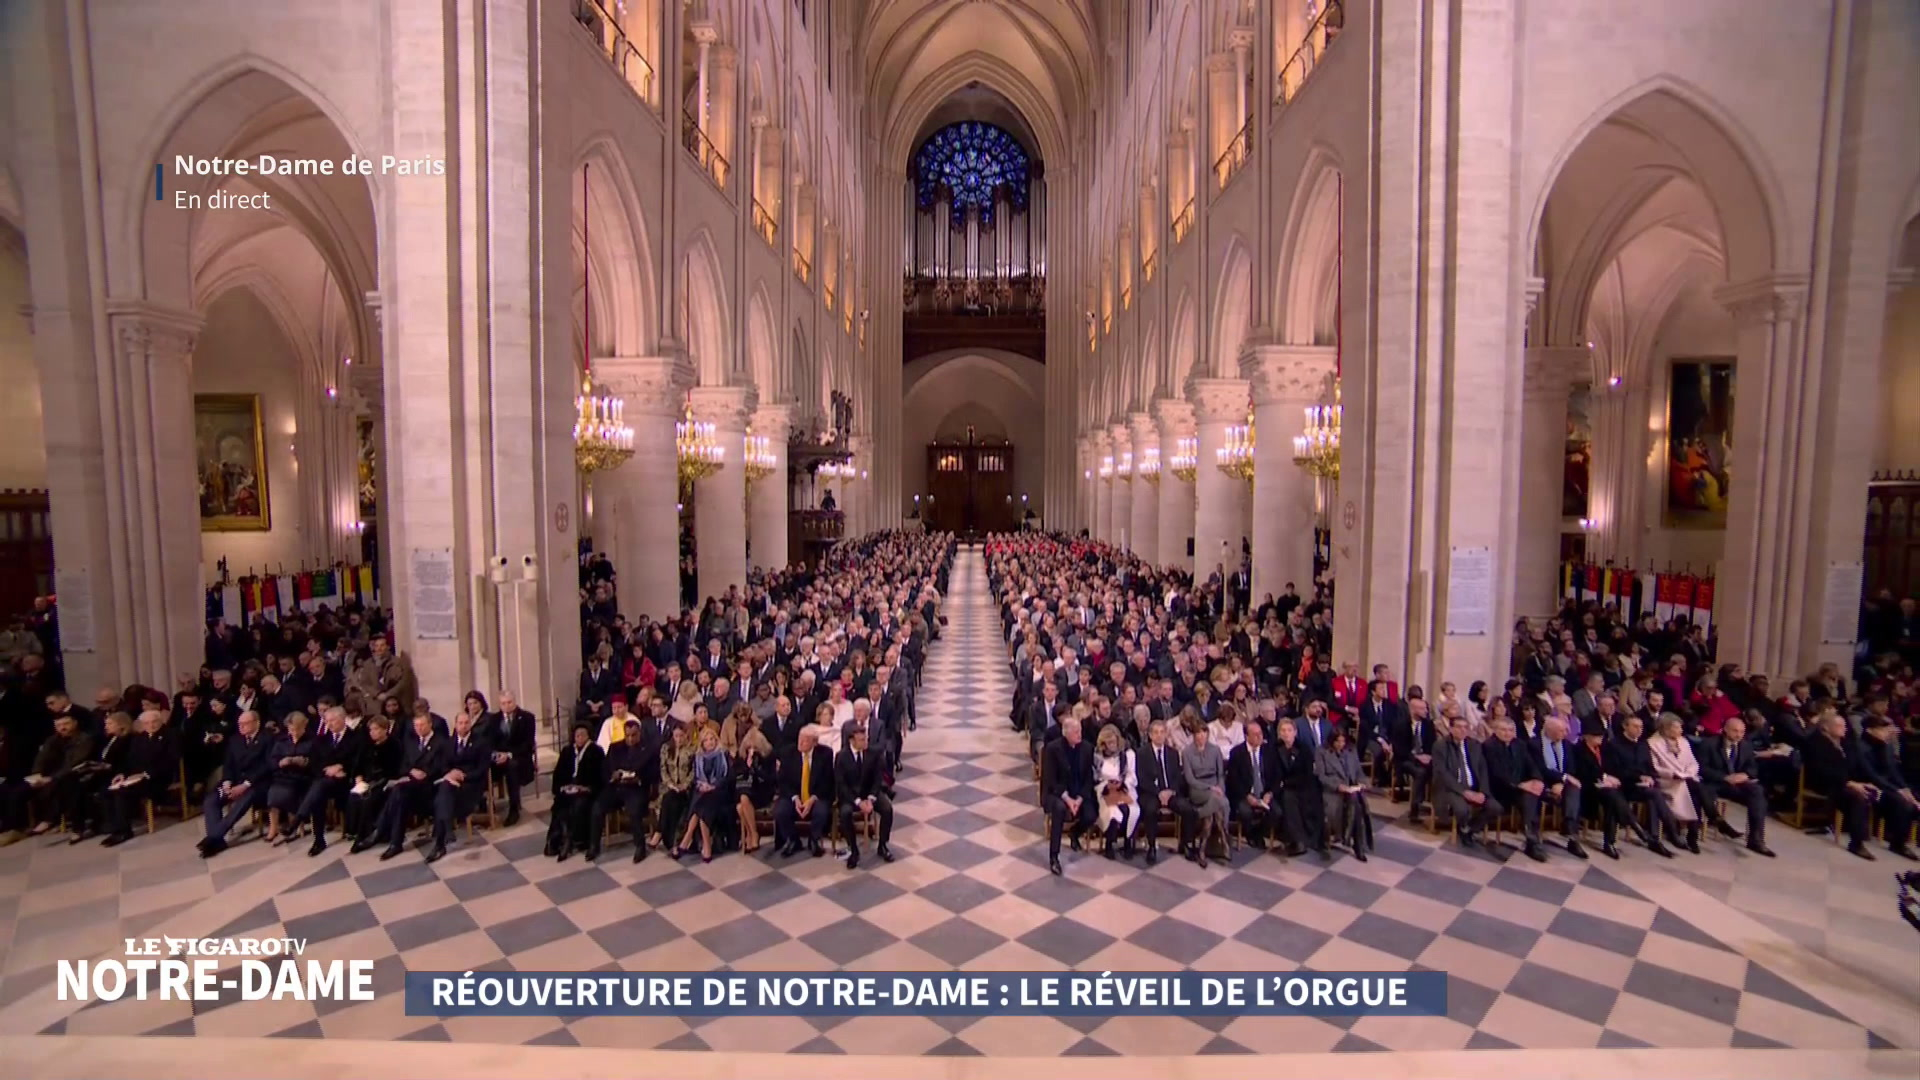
(1123,468)
(1184,463)
(1106,467)
(1317,449)
(760,460)
(1236,457)
(601,437)
(700,456)
(1149,467)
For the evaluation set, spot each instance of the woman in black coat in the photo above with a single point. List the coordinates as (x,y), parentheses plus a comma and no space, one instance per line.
(152,764)
(577,779)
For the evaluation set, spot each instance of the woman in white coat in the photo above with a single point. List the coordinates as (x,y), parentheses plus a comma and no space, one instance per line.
(1118,786)
(1679,774)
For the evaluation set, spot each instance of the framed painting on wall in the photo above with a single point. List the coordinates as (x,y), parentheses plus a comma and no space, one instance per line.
(1579,464)
(230,457)
(368,477)
(1699,443)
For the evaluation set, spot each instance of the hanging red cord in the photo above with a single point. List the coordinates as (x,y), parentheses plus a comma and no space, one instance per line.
(1339,254)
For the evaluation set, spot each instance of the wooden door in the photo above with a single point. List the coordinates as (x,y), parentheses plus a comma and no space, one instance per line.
(970,489)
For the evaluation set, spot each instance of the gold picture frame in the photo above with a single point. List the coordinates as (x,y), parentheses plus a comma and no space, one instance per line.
(1699,438)
(230,463)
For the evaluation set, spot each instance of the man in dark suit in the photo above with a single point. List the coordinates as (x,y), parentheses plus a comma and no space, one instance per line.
(782,729)
(1412,738)
(856,780)
(335,751)
(626,789)
(1159,783)
(510,734)
(1377,719)
(462,789)
(1465,791)
(1066,787)
(805,791)
(1729,770)
(1515,779)
(1893,796)
(1253,781)
(243,783)
(1044,717)
(1316,727)
(422,763)
(1631,760)
(1553,753)
(1302,802)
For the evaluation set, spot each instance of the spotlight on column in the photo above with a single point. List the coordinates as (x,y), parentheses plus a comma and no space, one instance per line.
(529,568)
(497,569)
(1614,381)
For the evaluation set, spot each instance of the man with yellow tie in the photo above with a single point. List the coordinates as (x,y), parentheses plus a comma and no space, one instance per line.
(806,790)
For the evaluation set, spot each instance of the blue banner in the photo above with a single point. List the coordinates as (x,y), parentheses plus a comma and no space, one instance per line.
(911,993)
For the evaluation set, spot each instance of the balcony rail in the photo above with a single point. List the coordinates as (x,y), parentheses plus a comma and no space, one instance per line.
(702,149)
(1239,149)
(802,269)
(1147,267)
(764,223)
(826,296)
(1126,297)
(1183,222)
(613,41)
(1306,56)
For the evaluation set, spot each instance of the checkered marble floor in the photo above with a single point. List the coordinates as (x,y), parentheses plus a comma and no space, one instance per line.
(1561,955)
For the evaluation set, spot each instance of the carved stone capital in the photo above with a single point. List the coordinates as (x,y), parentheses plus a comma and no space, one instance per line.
(704,33)
(1145,434)
(1282,374)
(1240,37)
(725,407)
(1550,371)
(1101,443)
(649,385)
(1536,287)
(1174,417)
(149,335)
(1120,437)
(1219,400)
(723,58)
(1777,298)
(775,420)
(1220,63)
(376,307)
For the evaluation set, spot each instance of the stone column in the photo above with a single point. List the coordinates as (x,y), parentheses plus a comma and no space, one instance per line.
(1226,123)
(1144,528)
(1082,486)
(1760,588)
(1221,500)
(1122,486)
(152,479)
(1242,41)
(635,520)
(767,496)
(1550,373)
(1173,418)
(723,76)
(704,36)
(720,524)
(1102,485)
(1285,379)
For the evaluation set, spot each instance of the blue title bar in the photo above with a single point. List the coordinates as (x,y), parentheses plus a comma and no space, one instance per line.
(912,993)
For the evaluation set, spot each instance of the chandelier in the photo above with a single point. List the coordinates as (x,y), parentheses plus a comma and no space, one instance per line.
(1236,457)
(601,438)
(1185,462)
(1149,467)
(700,456)
(760,458)
(1317,449)
(837,470)
(1106,467)
(1124,467)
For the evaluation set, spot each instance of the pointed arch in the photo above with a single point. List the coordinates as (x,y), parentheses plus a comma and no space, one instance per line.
(1307,278)
(1232,308)
(763,351)
(1704,140)
(708,315)
(610,226)
(1185,344)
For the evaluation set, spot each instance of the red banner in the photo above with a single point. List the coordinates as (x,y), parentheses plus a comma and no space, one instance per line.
(1703,598)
